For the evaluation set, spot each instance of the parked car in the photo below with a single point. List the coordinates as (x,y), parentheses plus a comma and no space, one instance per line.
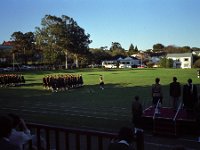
(7,69)
(142,66)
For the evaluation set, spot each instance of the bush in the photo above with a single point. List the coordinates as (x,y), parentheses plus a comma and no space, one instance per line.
(150,64)
(197,63)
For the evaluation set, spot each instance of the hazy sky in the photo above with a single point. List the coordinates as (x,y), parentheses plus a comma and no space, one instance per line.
(140,22)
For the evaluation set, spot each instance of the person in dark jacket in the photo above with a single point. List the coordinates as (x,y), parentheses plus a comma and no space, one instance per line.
(137,112)
(190,96)
(124,140)
(175,92)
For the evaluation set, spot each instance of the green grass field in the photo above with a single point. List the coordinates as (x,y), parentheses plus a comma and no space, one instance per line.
(89,106)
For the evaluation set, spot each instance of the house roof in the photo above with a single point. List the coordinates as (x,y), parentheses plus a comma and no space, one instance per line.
(7,43)
(179,55)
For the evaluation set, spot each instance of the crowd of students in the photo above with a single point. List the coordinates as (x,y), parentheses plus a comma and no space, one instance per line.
(11,80)
(62,82)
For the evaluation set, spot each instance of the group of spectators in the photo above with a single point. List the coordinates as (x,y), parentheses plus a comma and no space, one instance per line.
(11,80)
(62,82)
(190,101)
(189,94)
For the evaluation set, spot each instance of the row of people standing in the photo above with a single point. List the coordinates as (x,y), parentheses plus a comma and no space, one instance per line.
(62,82)
(11,80)
(189,93)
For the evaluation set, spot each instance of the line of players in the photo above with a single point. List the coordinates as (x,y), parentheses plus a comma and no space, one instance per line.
(62,82)
(11,80)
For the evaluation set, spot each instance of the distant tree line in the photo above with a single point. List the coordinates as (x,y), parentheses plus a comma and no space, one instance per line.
(61,41)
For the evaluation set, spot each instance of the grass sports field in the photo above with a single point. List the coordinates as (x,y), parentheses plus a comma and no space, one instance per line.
(89,106)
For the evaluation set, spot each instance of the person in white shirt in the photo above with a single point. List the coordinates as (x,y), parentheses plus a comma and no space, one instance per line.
(17,136)
(5,130)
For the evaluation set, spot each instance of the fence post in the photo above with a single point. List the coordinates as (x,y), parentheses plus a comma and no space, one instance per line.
(140,140)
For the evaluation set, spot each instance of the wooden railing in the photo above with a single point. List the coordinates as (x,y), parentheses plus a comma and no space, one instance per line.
(61,138)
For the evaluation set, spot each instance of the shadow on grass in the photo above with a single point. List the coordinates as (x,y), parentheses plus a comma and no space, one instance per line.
(90,104)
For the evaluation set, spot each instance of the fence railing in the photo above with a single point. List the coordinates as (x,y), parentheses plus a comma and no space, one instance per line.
(61,138)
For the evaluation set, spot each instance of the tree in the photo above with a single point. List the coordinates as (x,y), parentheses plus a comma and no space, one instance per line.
(197,63)
(136,49)
(158,47)
(175,49)
(166,63)
(116,46)
(98,55)
(48,38)
(163,62)
(169,63)
(78,41)
(116,50)
(131,49)
(23,45)
(61,35)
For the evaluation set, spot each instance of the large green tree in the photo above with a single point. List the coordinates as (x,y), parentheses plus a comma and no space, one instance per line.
(116,50)
(23,46)
(78,41)
(61,35)
(49,37)
(98,55)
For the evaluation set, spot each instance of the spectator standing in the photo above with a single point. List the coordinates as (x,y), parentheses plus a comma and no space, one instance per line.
(5,131)
(190,97)
(175,92)
(137,112)
(156,92)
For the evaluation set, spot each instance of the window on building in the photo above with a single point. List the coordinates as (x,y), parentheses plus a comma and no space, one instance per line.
(186,59)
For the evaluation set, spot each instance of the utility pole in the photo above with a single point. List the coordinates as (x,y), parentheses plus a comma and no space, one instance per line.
(13,58)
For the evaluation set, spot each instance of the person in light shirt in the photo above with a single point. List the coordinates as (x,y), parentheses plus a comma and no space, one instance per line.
(5,131)
(19,137)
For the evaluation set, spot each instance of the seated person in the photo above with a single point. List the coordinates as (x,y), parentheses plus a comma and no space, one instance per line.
(5,131)
(124,140)
(20,134)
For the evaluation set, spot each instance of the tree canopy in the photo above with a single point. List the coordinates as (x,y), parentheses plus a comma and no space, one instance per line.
(23,45)
(61,36)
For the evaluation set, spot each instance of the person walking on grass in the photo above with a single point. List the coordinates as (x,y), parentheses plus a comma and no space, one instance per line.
(101,82)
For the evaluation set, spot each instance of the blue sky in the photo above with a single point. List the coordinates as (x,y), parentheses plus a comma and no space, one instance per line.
(140,22)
